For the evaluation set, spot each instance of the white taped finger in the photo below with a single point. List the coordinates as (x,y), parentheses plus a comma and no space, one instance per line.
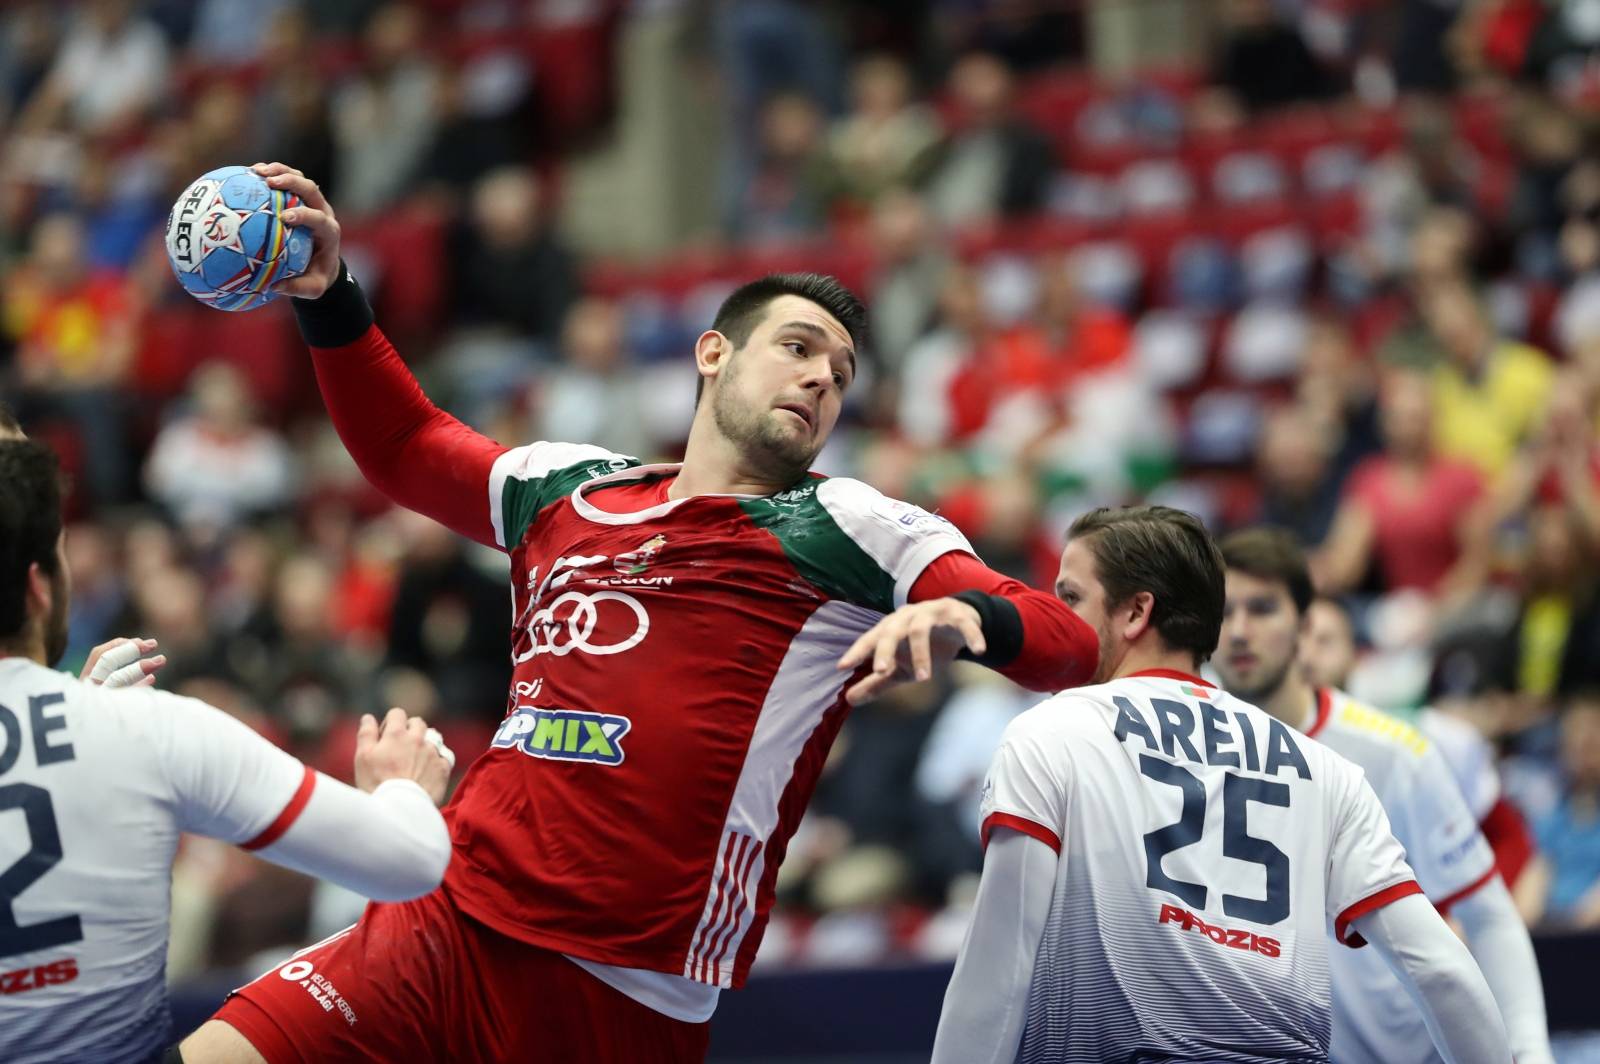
(114,661)
(433,736)
(126,676)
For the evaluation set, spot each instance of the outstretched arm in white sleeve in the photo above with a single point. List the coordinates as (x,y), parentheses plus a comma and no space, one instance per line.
(232,784)
(1500,944)
(986,1004)
(1441,977)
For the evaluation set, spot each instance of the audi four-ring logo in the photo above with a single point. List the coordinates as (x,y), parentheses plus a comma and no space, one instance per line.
(560,632)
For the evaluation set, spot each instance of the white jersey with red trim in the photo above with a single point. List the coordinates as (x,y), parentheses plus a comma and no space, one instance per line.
(1373,1020)
(1203,848)
(95,787)
(1469,756)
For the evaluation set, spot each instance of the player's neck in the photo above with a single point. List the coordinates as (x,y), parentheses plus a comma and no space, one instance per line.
(29,644)
(1294,702)
(713,465)
(1145,657)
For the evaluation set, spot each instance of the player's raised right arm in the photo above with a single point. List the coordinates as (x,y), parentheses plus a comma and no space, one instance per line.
(409,449)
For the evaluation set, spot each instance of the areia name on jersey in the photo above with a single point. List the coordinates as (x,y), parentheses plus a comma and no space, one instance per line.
(1205,738)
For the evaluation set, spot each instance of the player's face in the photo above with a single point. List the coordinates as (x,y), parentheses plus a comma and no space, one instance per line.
(1260,635)
(778,397)
(1327,646)
(1078,585)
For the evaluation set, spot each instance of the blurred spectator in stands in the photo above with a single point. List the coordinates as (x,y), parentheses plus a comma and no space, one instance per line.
(596,392)
(1420,59)
(886,139)
(993,164)
(311,676)
(120,204)
(217,466)
(912,265)
(219,130)
(1548,140)
(1401,191)
(448,621)
(1488,389)
(170,607)
(74,331)
(511,270)
(787,194)
(99,597)
(1561,53)
(1263,62)
(1298,478)
(1410,510)
(111,72)
(1029,35)
(384,116)
(926,411)
(228,32)
(27,49)
(477,131)
(292,112)
(1569,835)
(1338,388)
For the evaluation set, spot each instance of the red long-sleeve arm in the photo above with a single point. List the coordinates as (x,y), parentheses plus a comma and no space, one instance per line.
(409,449)
(1059,649)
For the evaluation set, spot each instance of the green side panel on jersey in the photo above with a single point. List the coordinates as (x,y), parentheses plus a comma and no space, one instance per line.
(819,549)
(521,500)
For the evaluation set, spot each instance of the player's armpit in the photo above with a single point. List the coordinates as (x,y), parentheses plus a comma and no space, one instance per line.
(1046,647)
(409,449)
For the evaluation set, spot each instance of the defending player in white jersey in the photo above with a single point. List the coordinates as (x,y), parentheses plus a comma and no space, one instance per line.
(96,784)
(1268,594)
(1161,857)
(1327,657)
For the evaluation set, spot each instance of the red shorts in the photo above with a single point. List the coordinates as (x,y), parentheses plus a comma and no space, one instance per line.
(421,981)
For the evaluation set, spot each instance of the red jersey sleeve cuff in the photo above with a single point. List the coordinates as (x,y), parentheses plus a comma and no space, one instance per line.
(1022,824)
(1371,903)
(1466,891)
(290,814)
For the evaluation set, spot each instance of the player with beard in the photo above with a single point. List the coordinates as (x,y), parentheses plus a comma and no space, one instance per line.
(1268,596)
(96,785)
(686,642)
(1162,858)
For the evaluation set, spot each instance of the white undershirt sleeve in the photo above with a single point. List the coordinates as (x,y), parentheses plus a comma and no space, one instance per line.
(389,845)
(986,1004)
(1441,977)
(1499,942)
(232,784)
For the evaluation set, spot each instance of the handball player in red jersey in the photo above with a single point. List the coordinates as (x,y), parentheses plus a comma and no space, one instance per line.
(686,641)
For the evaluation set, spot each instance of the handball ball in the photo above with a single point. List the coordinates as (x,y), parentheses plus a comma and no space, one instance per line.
(227,241)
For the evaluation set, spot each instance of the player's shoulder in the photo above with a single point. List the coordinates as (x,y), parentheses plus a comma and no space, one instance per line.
(1376,736)
(862,510)
(543,459)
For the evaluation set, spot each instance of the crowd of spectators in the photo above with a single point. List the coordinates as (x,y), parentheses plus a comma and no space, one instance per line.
(1340,274)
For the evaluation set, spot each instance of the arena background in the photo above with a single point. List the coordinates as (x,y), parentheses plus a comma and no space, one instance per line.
(1173,250)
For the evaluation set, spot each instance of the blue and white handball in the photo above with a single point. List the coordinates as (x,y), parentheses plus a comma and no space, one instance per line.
(227,241)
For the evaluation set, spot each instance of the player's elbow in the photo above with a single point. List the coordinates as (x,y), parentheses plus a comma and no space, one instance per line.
(422,857)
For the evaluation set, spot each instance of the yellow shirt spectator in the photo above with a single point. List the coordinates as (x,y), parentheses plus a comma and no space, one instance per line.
(1483,420)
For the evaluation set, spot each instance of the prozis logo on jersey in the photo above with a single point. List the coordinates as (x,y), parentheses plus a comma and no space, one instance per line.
(53,974)
(564,735)
(1233,938)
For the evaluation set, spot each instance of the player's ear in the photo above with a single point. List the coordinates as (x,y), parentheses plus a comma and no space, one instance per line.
(711,352)
(40,591)
(1136,619)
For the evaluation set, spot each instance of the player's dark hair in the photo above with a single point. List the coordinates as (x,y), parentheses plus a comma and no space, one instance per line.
(1168,553)
(1272,554)
(744,308)
(30,524)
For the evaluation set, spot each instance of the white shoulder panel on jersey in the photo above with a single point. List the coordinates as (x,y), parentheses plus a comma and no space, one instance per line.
(1469,756)
(903,539)
(532,461)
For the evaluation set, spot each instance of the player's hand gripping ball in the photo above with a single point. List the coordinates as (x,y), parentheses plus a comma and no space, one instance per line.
(227,241)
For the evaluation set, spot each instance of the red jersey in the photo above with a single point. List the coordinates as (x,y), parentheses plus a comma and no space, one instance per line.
(674,696)
(675,689)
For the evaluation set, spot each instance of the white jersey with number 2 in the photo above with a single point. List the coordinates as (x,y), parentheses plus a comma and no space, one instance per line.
(1204,846)
(96,785)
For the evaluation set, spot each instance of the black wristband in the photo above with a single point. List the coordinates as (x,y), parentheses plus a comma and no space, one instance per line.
(339,316)
(1002,629)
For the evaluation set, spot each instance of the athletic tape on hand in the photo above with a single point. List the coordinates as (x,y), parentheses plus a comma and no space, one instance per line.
(433,736)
